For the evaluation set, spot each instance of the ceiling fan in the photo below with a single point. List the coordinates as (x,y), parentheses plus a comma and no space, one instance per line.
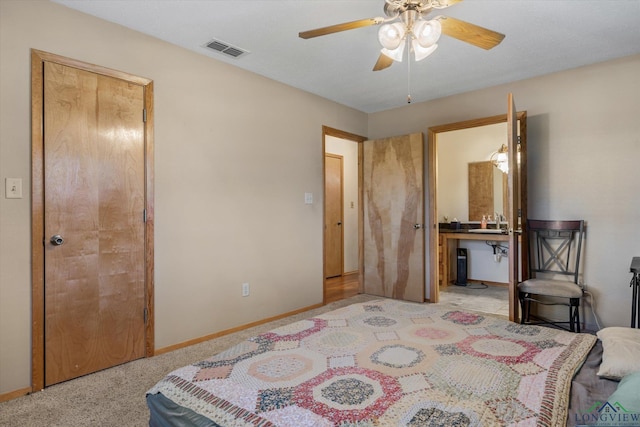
(406,25)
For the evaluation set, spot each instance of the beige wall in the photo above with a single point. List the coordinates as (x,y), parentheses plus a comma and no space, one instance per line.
(583,143)
(234,155)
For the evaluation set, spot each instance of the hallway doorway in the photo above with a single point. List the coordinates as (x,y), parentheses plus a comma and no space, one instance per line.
(342,264)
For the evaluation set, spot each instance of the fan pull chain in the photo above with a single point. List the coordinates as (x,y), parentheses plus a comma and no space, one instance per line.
(409,77)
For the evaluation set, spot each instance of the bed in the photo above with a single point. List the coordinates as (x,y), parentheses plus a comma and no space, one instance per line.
(388,362)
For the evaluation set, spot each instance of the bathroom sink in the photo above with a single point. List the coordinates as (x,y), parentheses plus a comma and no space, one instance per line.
(485,231)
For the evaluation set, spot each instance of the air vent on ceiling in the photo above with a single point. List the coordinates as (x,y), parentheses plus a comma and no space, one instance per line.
(226,49)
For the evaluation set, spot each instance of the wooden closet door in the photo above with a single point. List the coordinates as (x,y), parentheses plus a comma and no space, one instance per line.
(94,199)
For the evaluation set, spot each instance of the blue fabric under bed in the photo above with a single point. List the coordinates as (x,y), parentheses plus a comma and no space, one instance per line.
(166,413)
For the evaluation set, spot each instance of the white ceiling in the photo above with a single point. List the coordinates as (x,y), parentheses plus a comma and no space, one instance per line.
(542,36)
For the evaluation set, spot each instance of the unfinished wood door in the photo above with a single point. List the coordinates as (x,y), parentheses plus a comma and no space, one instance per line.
(333,216)
(393,217)
(94,234)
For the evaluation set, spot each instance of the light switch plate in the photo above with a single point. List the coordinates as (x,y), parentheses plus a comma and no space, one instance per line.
(308,198)
(13,188)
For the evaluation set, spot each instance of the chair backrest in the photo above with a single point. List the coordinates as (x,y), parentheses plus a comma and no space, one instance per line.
(554,247)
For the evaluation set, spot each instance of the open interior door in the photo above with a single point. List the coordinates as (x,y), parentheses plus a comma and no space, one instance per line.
(393,202)
(514,211)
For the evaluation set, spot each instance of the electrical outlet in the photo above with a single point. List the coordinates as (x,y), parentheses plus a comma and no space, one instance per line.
(245,289)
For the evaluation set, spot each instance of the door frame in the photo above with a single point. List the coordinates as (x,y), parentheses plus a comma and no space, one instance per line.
(38,58)
(328,131)
(432,156)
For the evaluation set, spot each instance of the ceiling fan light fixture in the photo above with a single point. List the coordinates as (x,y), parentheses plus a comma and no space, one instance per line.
(390,36)
(421,52)
(395,54)
(427,33)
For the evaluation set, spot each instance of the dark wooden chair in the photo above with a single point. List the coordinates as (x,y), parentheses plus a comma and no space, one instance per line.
(554,261)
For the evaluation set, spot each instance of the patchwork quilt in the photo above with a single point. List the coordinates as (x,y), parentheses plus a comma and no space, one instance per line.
(387,363)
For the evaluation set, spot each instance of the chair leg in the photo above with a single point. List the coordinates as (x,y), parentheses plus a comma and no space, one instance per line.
(523,312)
(575,302)
(575,315)
(571,318)
(574,311)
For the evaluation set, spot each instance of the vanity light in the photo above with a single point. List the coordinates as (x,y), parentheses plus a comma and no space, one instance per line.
(500,159)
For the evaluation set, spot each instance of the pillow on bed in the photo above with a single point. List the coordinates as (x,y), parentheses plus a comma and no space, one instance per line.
(628,393)
(621,347)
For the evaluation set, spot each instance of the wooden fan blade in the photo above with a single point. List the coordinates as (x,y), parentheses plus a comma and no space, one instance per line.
(383,62)
(340,27)
(470,33)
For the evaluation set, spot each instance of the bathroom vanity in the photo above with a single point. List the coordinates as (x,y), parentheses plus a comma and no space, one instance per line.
(450,239)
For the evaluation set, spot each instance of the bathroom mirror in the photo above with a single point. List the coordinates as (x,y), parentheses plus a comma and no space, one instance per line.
(469,184)
(487,191)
